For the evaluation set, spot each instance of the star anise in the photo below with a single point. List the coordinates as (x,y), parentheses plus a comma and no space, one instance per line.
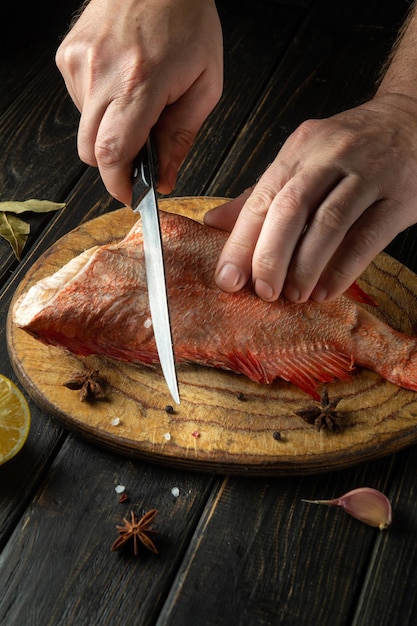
(324,415)
(90,385)
(138,530)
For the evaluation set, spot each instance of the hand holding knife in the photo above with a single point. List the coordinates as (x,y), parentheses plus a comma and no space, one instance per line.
(144,201)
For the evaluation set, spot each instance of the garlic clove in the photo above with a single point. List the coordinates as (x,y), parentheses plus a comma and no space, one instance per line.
(365,504)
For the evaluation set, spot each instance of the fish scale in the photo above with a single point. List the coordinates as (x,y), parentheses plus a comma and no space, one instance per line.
(97,304)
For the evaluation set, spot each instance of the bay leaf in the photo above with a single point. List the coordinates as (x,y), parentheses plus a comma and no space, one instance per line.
(36,206)
(15,231)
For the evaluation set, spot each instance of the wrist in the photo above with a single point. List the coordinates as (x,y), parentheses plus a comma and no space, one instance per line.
(400,71)
(396,99)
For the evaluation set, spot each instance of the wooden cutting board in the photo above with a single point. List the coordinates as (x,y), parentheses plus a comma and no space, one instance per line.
(225,423)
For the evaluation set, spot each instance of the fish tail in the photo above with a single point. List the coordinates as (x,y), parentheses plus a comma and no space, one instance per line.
(388,352)
(404,372)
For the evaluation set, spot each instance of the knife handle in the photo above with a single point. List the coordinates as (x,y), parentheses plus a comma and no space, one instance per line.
(153,159)
(145,172)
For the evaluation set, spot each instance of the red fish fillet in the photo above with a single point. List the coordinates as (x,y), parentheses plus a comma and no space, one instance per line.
(97,304)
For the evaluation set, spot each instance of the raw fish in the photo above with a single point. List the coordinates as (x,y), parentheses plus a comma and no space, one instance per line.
(97,304)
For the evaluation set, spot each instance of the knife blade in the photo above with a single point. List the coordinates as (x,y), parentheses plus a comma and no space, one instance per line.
(144,201)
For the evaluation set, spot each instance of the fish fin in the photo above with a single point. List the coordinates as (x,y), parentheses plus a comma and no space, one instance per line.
(357,294)
(305,369)
(322,365)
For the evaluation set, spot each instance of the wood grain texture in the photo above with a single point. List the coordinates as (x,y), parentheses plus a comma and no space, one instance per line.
(385,596)
(73,520)
(213,429)
(265,557)
(252,51)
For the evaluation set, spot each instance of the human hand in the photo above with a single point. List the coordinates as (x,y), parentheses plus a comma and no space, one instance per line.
(338,192)
(133,65)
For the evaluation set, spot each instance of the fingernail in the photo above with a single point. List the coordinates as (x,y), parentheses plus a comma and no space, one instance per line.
(264,289)
(319,294)
(229,277)
(292,293)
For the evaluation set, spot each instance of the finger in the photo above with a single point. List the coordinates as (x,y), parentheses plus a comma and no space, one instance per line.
(179,124)
(224,216)
(327,228)
(121,132)
(90,120)
(68,65)
(284,224)
(235,262)
(75,94)
(368,236)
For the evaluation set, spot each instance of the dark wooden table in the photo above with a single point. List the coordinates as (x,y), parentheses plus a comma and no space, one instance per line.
(233,550)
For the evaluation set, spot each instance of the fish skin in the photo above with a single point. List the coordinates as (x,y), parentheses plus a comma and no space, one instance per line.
(97,304)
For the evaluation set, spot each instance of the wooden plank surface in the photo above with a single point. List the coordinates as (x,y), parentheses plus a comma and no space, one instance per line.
(385,596)
(262,556)
(38,120)
(73,520)
(29,38)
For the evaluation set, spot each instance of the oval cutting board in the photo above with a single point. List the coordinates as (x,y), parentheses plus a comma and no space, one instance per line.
(225,423)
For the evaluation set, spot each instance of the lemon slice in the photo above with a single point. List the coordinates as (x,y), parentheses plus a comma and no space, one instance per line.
(14,419)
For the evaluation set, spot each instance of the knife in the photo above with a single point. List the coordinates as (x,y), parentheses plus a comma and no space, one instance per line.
(144,201)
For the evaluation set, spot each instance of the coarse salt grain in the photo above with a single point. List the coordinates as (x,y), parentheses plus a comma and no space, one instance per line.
(175,492)
(147,323)
(119,488)
(115,421)
(167,436)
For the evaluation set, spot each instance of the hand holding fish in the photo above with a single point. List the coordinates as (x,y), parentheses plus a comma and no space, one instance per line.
(133,65)
(338,192)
